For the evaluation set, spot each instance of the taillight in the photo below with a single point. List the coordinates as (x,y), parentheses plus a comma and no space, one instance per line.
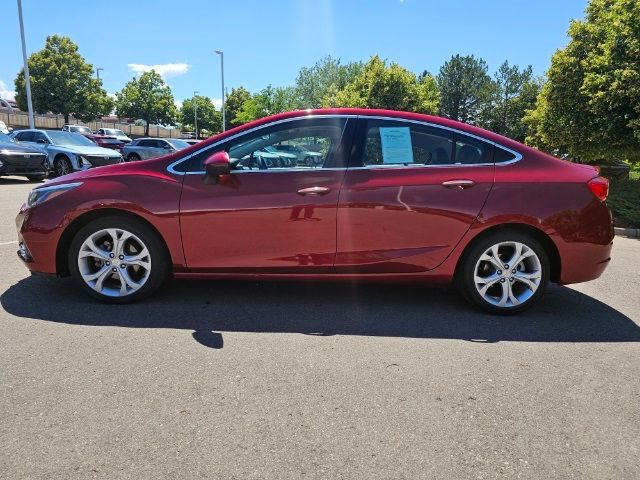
(599,186)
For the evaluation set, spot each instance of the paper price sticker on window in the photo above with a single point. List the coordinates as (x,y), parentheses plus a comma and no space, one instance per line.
(396,145)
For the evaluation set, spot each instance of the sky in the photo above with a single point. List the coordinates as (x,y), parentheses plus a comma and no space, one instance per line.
(268,41)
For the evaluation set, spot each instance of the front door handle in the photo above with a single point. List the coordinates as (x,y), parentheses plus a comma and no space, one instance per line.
(314,191)
(458,184)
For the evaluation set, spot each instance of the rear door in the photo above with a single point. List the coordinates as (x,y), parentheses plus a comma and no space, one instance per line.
(411,192)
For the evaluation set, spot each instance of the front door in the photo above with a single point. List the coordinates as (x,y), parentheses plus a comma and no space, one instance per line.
(411,192)
(264,216)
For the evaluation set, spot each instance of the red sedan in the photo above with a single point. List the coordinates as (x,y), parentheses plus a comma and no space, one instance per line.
(396,197)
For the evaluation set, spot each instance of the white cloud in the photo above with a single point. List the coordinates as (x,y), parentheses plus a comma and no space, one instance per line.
(217,102)
(178,104)
(6,93)
(166,70)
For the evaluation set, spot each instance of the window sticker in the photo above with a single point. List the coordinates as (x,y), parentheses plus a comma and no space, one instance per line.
(396,145)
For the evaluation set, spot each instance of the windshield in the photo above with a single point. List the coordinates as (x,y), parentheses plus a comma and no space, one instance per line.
(177,144)
(71,139)
(5,138)
(113,131)
(80,129)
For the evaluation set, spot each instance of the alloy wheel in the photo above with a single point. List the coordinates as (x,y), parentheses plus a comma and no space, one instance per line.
(507,274)
(114,262)
(62,167)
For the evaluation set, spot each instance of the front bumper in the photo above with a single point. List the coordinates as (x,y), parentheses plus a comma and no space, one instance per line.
(37,247)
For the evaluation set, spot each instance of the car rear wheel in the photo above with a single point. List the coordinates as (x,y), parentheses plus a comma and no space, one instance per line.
(62,166)
(505,273)
(133,157)
(117,260)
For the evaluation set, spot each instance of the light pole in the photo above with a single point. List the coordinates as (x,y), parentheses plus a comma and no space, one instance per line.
(27,79)
(219,52)
(98,72)
(195,111)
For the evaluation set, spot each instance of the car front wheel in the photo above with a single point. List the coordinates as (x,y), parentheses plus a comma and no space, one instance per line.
(117,260)
(505,273)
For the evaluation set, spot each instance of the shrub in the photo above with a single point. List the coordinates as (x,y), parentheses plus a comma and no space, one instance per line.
(624,201)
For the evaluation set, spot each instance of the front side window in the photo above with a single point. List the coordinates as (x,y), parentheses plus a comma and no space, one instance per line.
(25,137)
(301,144)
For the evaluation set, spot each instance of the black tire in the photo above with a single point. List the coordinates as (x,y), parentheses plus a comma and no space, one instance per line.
(62,166)
(133,157)
(36,178)
(159,259)
(465,274)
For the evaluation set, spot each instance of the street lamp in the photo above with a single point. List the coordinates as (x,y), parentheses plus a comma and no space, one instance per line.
(98,72)
(27,79)
(222,75)
(195,111)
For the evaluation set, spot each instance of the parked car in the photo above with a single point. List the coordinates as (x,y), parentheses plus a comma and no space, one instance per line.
(304,156)
(190,141)
(144,148)
(6,106)
(114,132)
(397,197)
(68,152)
(24,160)
(4,129)
(105,141)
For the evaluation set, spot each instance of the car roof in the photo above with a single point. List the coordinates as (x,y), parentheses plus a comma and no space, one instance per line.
(371,112)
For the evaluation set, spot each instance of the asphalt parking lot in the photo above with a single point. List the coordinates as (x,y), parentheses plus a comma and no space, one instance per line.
(247,380)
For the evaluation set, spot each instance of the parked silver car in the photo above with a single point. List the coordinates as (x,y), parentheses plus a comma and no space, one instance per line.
(68,152)
(114,132)
(144,148)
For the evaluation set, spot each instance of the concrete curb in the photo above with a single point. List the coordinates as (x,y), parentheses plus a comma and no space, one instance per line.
(628,232)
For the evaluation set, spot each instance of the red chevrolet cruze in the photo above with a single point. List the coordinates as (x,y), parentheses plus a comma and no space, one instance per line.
(387,196)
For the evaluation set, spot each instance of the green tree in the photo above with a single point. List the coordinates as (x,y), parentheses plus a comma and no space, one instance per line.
(208,117)
(379,85)
(328,74)
(589,107)
(233,104)
(465,88)
(514,91)
(147,98)
(62,82)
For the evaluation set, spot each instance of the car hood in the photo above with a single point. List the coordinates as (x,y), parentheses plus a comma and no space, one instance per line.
(87,150)
(18,148)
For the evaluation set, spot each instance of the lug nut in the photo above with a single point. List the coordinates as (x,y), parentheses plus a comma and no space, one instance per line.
(114,269)
(122,265)
(108,263)
(511,279)
(506,266)
(499,272)
(121,257)
(513,271)
(111,255)
(502,280)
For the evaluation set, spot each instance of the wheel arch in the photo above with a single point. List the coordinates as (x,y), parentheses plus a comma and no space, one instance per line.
(545,240)
(62,250)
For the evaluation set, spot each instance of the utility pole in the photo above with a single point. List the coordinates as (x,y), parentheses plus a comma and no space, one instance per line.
(98,72)
(219,52)
(27,79)
(195,112)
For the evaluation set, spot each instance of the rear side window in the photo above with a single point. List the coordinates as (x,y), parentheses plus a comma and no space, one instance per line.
(146,143)
(500,155)
(471,151)
(25,136)
(389,143)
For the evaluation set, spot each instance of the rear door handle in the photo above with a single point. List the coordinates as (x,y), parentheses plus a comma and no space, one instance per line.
(314,191)
(458,184)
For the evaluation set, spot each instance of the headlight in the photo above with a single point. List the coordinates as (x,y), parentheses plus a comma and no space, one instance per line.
(42,194)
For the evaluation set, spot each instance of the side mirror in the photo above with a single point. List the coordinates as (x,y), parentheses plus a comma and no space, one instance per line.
(216,165)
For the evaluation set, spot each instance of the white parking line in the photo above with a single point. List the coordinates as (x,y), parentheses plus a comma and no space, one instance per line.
(14,242)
